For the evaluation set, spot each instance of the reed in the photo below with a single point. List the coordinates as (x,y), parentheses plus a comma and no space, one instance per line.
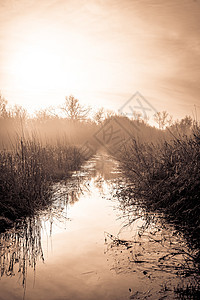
(26,175)
(166,177)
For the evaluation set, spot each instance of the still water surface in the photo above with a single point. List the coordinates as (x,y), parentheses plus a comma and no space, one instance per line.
(87,246)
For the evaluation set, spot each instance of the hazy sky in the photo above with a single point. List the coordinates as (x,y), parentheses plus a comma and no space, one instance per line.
(101,51)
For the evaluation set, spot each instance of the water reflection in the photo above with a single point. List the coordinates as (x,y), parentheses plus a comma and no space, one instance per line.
(142,250)
(20,248)
(149,245)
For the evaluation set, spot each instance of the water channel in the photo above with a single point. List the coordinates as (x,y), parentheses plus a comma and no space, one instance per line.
(89,245)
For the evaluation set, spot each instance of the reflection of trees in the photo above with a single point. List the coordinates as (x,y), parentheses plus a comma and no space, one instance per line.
(67,192)
(106,167)
(20,248)
(99,183)
(102,165)
(154,248)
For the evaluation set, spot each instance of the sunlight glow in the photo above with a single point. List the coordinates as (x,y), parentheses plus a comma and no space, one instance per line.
(99,52)
(37,66)
(47,64)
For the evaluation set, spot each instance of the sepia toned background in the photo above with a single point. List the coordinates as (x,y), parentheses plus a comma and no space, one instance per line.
(101,52)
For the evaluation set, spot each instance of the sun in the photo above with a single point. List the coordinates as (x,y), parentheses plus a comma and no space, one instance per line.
(37,67)
(44,67)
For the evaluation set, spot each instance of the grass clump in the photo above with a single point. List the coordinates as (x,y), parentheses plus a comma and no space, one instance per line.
(26,175)
(166,177)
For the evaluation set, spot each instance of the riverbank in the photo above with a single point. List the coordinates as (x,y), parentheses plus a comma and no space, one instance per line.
(27,173)
(166,178)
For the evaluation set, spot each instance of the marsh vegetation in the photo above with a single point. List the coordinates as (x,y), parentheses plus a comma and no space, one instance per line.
(89,214)
(165,177)
(156,183)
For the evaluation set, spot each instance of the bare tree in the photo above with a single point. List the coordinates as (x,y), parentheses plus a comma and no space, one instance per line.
(43,115)
(99,116)
(163,119)
(74,110)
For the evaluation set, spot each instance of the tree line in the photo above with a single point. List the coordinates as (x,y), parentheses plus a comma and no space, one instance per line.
(73,110)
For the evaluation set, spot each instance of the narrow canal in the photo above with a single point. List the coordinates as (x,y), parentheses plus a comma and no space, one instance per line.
(88,245)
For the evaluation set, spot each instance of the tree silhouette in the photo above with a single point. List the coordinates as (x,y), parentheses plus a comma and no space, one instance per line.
(99,116)
(163,119)
(74,110)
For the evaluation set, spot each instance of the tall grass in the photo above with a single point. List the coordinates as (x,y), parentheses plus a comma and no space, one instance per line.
(50,130)
(26,175)
(166,177)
